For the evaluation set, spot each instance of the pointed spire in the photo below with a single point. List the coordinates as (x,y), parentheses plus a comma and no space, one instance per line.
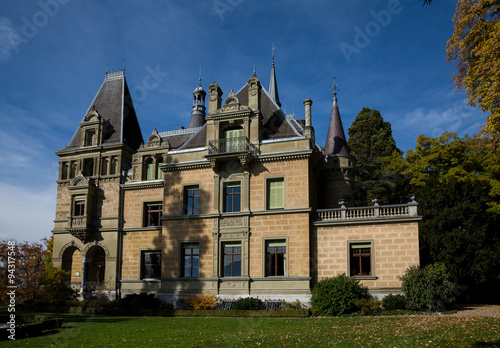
(273,86)
(335,139)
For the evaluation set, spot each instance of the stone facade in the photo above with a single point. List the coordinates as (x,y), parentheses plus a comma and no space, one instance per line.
(241,203)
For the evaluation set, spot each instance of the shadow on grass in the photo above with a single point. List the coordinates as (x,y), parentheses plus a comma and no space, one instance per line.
(487,344)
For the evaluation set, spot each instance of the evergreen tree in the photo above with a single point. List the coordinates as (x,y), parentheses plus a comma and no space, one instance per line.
(371,142)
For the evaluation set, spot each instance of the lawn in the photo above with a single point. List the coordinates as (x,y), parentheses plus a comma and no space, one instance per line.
(402,331)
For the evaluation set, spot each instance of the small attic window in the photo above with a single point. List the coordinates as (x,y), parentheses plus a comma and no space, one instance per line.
(90,137)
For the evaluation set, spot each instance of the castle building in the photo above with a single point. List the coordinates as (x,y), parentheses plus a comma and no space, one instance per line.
(242,202)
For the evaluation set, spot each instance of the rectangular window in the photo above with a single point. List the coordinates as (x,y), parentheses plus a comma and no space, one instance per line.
(152,214)
(232,259)
(360,259)
(275,258)
(190,260)
(151,264)
(234,140)
(276,193)
(232,198)
(79,205)
(191,200)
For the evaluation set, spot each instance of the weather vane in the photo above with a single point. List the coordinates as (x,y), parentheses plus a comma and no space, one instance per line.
(335,88)
(274,47)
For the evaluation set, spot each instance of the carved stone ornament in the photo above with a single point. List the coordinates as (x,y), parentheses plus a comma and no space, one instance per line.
(154,139)
(231,222)
(81,234)
(231,99)
(92,115)
(80,180)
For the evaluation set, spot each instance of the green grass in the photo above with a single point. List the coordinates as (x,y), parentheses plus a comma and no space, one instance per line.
(404,331)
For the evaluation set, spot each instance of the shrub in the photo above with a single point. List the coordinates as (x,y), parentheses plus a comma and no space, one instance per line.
(337,295)
(288,306)
(368,306)
(392,302)
(429,288)
(203,301)
(247,303)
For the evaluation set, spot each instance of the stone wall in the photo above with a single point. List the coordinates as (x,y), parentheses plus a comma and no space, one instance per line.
(395,246)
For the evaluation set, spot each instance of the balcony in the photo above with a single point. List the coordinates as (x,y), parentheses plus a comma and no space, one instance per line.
(376,212)
(237,148)
(231,145)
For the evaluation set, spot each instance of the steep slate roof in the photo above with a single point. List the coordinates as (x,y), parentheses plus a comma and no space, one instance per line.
(114,105)
(335,139)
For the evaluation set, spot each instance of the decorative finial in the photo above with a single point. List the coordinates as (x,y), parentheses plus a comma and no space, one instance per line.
(254,68)
(334,89)
(199,79)
(124,65)
(273,52)
(106,69)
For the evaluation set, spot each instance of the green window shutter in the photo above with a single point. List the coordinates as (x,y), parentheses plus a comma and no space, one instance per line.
(79,198)
(276,193)
(361,246)
(276,243)
(150,171)
(190,245)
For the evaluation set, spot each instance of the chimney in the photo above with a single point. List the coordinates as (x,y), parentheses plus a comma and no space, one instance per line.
(214,98)
(308,130)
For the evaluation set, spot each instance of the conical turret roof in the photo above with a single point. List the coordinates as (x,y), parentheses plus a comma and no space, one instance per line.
(335,139)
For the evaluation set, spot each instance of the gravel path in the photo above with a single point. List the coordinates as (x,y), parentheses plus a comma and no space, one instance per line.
(478,311)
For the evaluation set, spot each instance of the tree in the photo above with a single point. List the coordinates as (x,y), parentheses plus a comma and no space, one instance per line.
(475,49)
(32,272)
(371,142)
(453,179)
(28,260)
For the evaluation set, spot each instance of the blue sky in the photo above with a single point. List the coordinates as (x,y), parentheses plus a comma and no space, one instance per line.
(387,54)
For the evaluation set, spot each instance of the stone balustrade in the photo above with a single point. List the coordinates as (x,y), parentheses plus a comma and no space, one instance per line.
(367,213)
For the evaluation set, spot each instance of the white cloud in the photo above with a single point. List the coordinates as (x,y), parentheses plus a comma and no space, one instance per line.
(9,39)
(26,213)
(459,118)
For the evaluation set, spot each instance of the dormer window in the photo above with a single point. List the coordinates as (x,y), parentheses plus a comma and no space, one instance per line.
(92,129)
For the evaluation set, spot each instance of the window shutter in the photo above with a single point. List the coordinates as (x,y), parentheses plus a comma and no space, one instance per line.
(276,243)
(79,198)
(276,194)
(150,171)
(361,246)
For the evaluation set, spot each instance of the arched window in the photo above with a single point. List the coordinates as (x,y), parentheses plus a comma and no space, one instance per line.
(149,169)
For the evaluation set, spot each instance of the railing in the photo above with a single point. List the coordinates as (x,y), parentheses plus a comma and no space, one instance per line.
(367,213)
(237,144)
